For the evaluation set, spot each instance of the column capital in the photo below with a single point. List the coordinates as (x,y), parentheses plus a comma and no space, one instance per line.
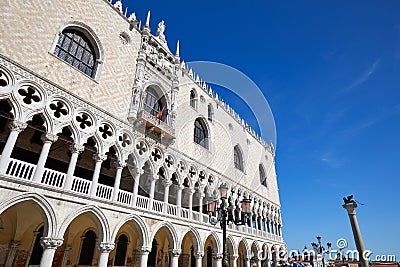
(218,256)
(120,164)
(49,138)
(99,157)
(191,190)
(105,247)
(17,126)
(175,252)
(234,257)
(136,171)
(144,250)
(167,182)
(14,243)
(198,254)
(50,243)
(351,208)
(76,148)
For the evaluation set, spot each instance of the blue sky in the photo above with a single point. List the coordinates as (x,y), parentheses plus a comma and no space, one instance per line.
(330,71)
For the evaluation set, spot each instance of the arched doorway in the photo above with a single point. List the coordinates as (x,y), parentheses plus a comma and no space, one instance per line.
(23,226)
(189,248)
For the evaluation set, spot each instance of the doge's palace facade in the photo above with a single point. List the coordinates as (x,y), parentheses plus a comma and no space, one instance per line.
(111,146)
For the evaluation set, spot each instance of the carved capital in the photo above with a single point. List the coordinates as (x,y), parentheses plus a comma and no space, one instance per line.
(136,171)
(14,243)
(49,138)
(120,164)
(75,148)
(17,126)
(99,157)
(105,247)
(198,254)
(351,208)
(175,252)
(234,257)
(144,250)
(218,256)
(50,243)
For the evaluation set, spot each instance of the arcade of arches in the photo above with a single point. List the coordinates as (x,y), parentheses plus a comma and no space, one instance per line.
(33,233)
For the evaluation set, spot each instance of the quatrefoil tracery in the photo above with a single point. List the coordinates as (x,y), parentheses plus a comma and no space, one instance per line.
(156,154)
(105,131)
(141,147)
(59,109)
(125,140)
(29,95)
(84,121)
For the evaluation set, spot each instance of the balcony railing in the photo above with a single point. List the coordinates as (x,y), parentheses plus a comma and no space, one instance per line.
(22,170)
(162,127)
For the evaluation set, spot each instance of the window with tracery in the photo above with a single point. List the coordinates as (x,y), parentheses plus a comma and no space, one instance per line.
(238,158)
(200,133)
(75,48)
(263,177)
(193,99)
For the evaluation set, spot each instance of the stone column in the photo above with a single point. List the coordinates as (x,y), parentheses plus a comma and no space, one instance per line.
(11,252)
(119,165)
(47,139)
(151,193)
(67,250)
(191,191)
(201,206)
(136,177)
(247,260)
(179,196)
(49,248)
(99,158)
(218,259)
(258,262)
(16,128)
(234,260)
(351,211)
(175,257)
(104,249)
(75,149)
(144,255)
(166,184)
(199,258)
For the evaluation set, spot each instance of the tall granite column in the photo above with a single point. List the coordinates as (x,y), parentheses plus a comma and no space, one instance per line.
(351,210)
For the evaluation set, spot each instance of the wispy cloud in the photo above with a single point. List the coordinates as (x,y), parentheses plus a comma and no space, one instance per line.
(362,79)
(331,160)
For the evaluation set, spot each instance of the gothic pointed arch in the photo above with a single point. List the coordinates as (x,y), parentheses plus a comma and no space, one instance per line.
(201,133)
(238,158)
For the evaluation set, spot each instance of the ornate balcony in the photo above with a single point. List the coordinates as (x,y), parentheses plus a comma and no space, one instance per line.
(156,127)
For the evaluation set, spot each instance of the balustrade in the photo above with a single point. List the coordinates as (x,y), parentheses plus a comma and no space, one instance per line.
(23,170)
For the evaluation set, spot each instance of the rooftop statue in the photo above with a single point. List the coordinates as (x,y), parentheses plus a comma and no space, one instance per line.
(160,30)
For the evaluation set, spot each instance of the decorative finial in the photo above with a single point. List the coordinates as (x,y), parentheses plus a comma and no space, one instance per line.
(177,49)
(148,20)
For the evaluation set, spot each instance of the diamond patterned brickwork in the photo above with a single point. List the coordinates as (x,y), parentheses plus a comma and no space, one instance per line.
(29,27)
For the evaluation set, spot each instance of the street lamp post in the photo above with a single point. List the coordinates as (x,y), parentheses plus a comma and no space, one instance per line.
(320,249)
(225,215)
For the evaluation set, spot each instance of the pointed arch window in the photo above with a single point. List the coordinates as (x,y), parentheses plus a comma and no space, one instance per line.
(210,112)
(193,99)
(263,177)
(238,158)
(201,133)
(155,103)
(75,48)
